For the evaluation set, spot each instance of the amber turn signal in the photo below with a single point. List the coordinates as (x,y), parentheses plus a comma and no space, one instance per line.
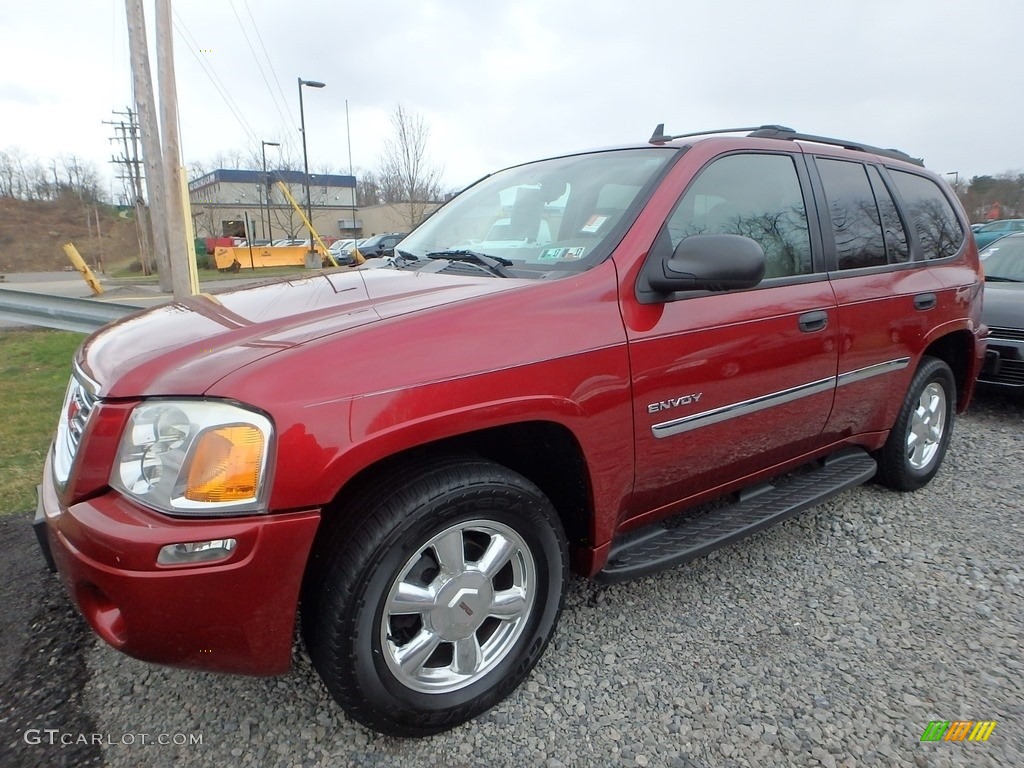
(226,464)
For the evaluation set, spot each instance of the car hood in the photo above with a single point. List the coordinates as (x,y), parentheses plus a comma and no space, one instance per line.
(185,347)
(1003,305)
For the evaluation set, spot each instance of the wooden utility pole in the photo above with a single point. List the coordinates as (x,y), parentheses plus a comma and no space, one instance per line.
(177,244)
(134,188)
(142,81)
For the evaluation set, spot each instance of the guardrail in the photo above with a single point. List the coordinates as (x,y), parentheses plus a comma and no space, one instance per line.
(66,314)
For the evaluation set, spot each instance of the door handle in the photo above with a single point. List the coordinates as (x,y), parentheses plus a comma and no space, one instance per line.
(811,322)
(925,301)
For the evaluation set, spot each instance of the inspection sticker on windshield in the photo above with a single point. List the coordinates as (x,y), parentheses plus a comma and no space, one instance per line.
(552,254)
(593,224)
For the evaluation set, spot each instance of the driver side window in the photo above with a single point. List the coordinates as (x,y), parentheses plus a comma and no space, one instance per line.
(757,196)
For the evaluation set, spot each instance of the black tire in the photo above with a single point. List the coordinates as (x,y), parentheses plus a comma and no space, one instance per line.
(909,459)
(381,542)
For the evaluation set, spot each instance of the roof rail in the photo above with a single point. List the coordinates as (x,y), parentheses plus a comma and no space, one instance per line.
(788,134)
(659,137)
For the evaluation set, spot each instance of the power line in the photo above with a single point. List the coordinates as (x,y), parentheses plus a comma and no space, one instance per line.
(266,55)
(208,69)
(255,57)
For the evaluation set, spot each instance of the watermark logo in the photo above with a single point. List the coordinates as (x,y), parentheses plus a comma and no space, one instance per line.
(57,737)
(958,730)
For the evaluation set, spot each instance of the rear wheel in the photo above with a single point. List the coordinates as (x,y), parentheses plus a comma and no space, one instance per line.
(440,601)
(919,438)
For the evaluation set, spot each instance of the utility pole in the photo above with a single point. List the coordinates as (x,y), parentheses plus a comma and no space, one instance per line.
(133,176)
(142,81)
(310,256)
(352,173)
(178,249)
(265,186)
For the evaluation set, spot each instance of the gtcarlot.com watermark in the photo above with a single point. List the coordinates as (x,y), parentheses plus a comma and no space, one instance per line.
(57,737)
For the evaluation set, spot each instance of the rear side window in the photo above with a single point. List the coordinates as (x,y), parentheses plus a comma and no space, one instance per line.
(757,196)
(930,214)
(896,244)
(853,213)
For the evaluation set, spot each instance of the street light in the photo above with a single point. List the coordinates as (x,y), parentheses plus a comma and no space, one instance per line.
(305,157)
(266,187)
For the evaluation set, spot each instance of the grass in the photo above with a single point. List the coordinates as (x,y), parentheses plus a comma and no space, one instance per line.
(126,274)
(35,366)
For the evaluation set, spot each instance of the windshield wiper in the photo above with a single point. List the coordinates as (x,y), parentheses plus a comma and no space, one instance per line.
(495,264)
(998,279)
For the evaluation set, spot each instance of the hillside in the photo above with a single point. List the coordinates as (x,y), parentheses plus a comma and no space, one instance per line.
(32,233)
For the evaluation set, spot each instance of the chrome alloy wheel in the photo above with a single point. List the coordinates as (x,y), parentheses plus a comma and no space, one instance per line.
(458,606)
(927,424)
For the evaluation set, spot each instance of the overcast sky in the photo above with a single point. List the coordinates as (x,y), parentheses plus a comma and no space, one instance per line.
(503,82)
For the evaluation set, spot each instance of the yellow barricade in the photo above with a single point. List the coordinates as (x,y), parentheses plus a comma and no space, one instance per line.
(263,256)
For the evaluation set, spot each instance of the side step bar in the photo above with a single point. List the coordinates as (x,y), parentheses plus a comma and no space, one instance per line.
(657,547)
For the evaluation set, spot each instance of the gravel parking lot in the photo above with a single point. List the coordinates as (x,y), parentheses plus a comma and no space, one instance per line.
(830,640)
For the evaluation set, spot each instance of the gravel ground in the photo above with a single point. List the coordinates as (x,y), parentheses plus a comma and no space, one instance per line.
(832,639)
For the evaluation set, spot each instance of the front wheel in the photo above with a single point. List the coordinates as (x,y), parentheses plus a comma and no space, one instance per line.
(435,605)
(917,443)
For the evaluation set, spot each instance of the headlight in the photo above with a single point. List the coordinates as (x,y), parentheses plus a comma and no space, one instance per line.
(194,457)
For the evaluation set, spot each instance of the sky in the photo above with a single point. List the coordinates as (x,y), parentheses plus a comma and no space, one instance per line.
(499,83)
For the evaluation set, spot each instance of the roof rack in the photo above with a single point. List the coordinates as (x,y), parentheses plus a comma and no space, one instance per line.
(659,137)
(788,134)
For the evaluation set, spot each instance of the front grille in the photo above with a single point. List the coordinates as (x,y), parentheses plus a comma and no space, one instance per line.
(1010,372)
(82,402)
(1007,334)
(79,403)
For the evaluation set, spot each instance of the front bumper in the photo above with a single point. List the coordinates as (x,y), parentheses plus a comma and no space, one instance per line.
(233,615)
(1004,363)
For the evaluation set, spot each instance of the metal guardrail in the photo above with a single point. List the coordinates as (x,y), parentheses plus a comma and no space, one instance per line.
(66,314)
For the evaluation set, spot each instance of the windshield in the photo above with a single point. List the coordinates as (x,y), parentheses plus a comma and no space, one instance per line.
(1004,259)
(564,214)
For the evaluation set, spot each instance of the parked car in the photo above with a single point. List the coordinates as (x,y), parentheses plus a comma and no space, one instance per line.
(380,245)
(722,331)
(341,250)
(1003,262)
(996,229)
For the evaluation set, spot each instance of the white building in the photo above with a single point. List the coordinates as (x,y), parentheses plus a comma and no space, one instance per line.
(223,201)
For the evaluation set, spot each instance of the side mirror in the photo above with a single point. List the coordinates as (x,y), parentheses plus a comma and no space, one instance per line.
(710,263)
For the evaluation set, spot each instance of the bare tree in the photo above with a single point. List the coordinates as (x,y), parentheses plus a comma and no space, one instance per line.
(404,173)
(368,190)
(8,174)
(205,221)
(81,178)
(27,178)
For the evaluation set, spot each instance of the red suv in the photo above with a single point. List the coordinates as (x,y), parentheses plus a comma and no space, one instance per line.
(415,456)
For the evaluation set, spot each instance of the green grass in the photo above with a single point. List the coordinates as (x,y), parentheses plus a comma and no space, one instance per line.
(128,276)
(35,367)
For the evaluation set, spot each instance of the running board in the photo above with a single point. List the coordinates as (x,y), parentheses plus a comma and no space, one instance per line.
(657,547)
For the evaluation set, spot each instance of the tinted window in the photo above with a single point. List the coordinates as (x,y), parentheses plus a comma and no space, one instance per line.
(757,196)
(931,215)
(896,245)
(853,213)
